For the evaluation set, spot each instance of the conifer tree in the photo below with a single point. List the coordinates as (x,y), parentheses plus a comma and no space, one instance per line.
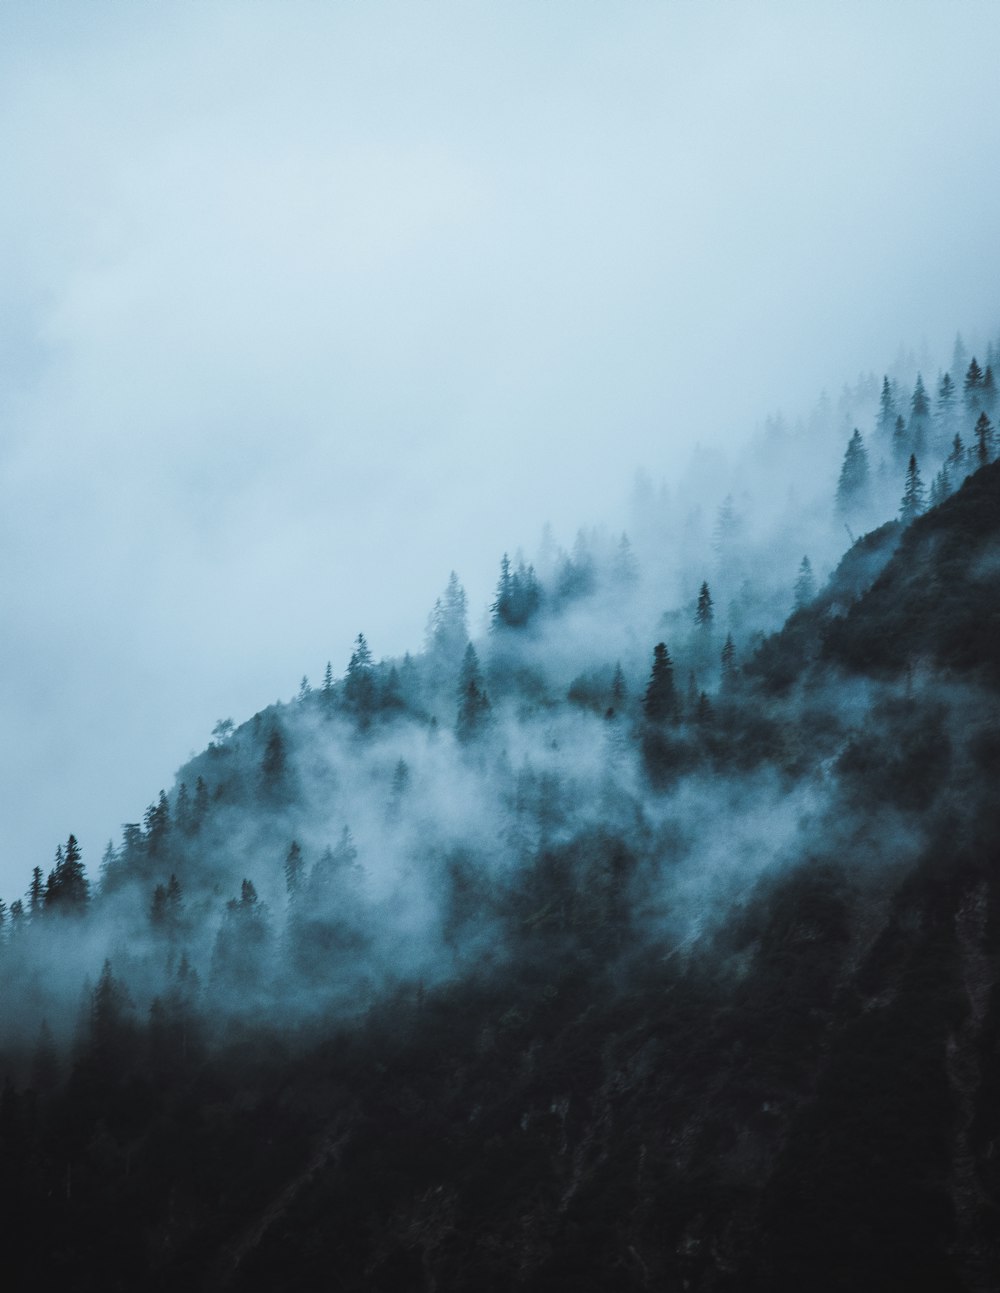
(886,410)
(182,809)
(984,440)
(36,893)
(988,393)
(805,584)
(473,703)
(448,627)
(852,488)
(919,404)
(67,888)
(359,682)
(973,387)
(659,702)
(274,767)
(728,661)
(913,493)
(200,812)
(704,612)
(940,487)
(945,411)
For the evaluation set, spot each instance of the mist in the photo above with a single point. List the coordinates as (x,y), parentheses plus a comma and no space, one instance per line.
(304,309)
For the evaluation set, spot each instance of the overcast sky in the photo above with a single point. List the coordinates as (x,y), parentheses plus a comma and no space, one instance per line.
(304,305)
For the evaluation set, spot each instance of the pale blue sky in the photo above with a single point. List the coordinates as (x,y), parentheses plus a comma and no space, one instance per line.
(304,305)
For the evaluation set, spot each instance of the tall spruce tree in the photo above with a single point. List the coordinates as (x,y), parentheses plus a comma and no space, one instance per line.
(659,702)
(704,612)
(972,387)
(805,584)
(852,488)
(984,440)
(913,501)
(473,702)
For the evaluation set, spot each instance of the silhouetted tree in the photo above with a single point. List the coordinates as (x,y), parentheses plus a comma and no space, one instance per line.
(704,612)
(200,805)
(359,682)
(67,888)
(886,410)
(728,662)
(473,703)
(659,701)
(805,585)
(274,772)
(984,440)
(988,393)
(518,596)
(852,488)
(448,626)
(972,387)
(36,893)
(157,826)
(239,960)
(913,493)
(940,487)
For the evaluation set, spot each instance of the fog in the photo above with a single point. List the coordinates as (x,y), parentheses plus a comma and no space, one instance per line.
(303,308)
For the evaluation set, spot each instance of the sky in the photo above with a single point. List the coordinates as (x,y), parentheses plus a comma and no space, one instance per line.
(303,306)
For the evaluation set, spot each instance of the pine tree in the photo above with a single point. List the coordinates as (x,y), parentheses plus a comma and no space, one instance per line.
(359,682)
(659,702)
(473,703)
(886,410)
(200,805)
(67,888)
(157,825)
(36,894)
(913,493)
(624,569)
(973,387)
(852,488)
(305,691)
(448,627)
(988,393)
(274,768)
(945,412)
(984,440)
(728,664)
(704,612)
(327,691)
(919,403)
(182,809)
(940,487)
(805,584)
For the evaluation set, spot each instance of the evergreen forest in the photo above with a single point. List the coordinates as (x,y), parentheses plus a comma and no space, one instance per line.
(637,930)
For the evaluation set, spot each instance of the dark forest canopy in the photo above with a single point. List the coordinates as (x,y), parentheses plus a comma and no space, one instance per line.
(643,935)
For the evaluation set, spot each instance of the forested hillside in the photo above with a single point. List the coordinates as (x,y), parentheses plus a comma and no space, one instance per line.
(644,935)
